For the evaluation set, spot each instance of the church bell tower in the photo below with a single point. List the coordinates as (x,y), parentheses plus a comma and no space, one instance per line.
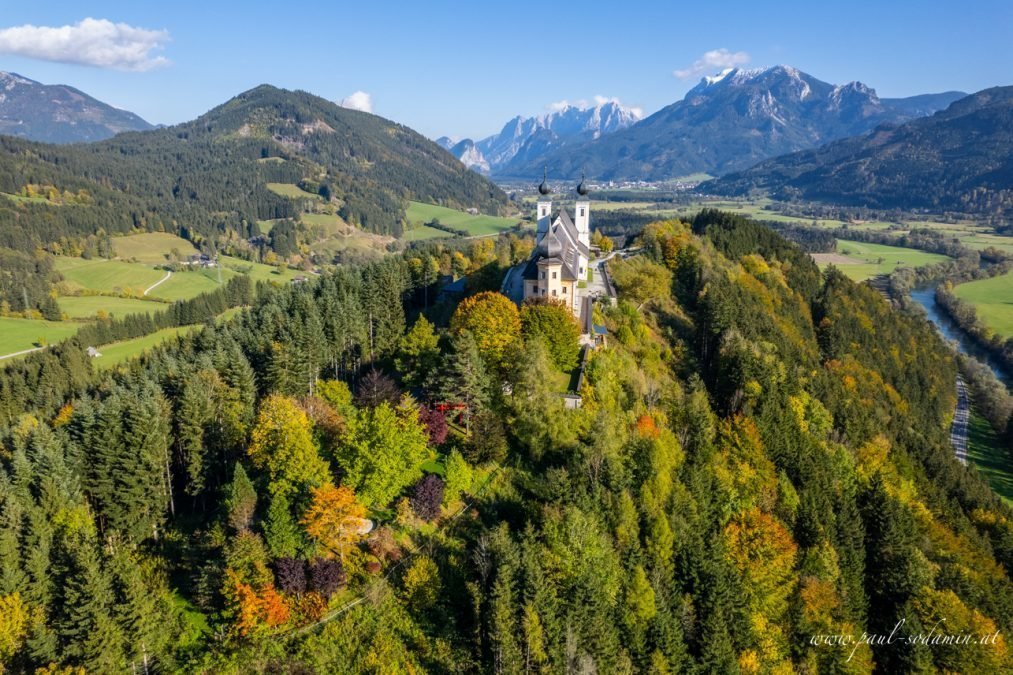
(544,208)
(582,213)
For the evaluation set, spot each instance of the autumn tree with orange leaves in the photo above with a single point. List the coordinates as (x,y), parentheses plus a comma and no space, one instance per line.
(334,519)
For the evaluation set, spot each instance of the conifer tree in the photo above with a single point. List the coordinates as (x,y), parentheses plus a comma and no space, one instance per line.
(284,538)
(241,500)
(465,379)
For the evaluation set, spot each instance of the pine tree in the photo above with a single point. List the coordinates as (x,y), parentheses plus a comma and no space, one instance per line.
(144,485)
(88,629)
(464,378)
(241,500)
(284,538)
(140,613)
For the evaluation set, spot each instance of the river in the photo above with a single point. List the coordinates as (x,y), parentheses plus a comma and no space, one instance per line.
(926,297)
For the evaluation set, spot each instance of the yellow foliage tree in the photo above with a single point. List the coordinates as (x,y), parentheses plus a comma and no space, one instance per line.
(943,614)
(282,443)
(764,553)
(334,519)
(13,626)
(493,320)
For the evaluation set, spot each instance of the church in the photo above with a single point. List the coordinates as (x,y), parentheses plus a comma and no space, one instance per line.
(562,250)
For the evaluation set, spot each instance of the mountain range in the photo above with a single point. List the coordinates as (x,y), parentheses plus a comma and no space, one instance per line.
(524,140)
(58,114)
(958,159)
(730,122)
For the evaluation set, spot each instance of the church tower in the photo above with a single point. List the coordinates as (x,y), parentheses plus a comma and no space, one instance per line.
(582,213)
(544,208)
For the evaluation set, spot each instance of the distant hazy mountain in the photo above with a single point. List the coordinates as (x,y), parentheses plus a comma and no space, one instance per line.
(730,122)
(58,113)
(925,104)
(957,159)
(525,140)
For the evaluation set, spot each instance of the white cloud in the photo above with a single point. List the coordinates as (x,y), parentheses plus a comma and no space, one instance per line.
(360,100)
(715,59)
(91,42)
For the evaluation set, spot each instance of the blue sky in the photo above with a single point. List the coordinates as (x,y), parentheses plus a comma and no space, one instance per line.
(464,68)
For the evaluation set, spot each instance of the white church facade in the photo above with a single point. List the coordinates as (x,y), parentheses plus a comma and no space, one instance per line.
(562,250)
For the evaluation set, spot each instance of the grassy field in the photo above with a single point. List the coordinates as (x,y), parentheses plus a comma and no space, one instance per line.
(153,247)
(419,213)
(87,306)
(118,352)
(698,177)
(993,298)
(865,261)
(291,191)
(328,224)
(108,276)
(420,232)
(20,334)
(987,453)
(189,284)
(257,271)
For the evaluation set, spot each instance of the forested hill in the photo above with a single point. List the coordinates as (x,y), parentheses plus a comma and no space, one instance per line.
(959,159)
(761,458)
(208,176)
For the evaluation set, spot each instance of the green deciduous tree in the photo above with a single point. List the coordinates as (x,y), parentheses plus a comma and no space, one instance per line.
(383,450)
(282,443)
(554,323)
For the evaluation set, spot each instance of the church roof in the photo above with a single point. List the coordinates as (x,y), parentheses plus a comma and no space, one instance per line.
(530,272)
(561,242)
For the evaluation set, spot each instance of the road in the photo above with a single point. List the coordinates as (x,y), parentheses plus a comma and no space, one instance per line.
(958,430)
(158,283)
(23,351)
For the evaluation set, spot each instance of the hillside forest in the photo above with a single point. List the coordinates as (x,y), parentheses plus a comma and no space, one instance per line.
(352,475)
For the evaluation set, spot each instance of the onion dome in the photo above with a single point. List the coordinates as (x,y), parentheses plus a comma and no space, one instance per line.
(582,188)
(544,188)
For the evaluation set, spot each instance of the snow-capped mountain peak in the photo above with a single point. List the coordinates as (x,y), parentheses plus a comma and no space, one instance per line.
(528,137)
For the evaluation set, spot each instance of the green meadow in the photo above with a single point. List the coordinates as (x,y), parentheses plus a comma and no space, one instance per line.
(291,191)
(117,352)
(987,452)
(993,298)
(19,334)
(88,306)
(152,247)
(864,261)
(480,225)
(422,232)
(108,276)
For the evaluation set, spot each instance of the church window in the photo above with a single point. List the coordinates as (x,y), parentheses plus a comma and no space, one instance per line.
(582,213)
(553,291)
(541,275)
(553,275)
(564,290)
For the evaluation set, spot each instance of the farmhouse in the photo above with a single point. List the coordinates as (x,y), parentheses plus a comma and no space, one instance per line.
(562,250)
